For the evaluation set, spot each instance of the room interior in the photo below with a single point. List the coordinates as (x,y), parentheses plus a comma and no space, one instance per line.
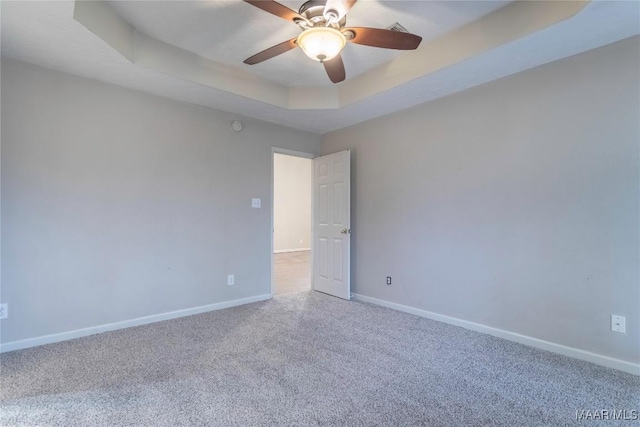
(292,205)
(494,223)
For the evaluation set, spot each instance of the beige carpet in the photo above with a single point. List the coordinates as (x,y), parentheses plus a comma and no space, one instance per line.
(304,359)
(292,272)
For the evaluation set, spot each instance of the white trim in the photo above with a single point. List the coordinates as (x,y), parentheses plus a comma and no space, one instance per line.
(78,333)
(293,153)
(286,251)
(610,362)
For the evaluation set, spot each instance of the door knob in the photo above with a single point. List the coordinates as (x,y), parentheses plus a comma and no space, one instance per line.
(345,231)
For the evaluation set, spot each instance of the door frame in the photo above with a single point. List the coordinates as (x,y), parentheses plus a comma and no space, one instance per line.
(303,154)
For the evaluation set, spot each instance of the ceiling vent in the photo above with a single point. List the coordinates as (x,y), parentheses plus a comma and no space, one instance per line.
(397,27)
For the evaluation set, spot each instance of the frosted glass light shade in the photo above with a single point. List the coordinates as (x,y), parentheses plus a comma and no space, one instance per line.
(321,43)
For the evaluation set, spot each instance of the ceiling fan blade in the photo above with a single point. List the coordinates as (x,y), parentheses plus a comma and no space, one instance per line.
(387,39)
(338,7)
(277,9)
(335,69)
(271,52)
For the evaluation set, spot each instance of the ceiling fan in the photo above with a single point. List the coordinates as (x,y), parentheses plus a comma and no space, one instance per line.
(324,34)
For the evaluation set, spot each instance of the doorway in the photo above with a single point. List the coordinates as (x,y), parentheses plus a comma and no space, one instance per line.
(292,222)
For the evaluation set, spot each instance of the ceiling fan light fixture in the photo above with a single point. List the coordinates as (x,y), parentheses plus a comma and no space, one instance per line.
(321,43)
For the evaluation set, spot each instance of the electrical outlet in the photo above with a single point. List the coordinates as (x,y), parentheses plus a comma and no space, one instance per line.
(231,280)
(618,323)
(256,203)
(4,311)
(388,280)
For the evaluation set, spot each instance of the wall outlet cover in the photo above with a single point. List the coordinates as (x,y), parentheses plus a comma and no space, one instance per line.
(4,311)
(618,323)
(256,203)
(231,280)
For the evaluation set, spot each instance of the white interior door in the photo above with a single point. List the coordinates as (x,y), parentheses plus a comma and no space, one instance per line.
(332,224)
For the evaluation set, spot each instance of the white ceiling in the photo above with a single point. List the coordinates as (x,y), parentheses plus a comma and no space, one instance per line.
(230,31)
(46,34)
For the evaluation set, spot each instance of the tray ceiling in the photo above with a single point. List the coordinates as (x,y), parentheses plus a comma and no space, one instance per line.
(170,49)
(228,32)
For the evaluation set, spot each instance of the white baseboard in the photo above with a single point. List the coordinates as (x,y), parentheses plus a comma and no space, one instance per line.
(285,251)
(78,333)
(610,362)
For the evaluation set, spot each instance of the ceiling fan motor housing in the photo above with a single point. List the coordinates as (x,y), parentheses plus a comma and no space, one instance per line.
(313,12)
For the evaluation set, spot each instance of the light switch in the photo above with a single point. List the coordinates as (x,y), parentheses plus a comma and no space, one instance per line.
(255,203)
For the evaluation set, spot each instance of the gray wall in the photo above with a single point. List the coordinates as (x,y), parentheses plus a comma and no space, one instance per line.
(513,204)
(118,204)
